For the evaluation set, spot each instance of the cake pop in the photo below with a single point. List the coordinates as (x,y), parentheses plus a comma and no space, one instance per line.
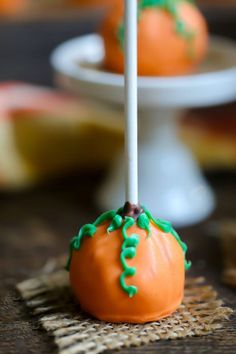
(172,37)
(128,266)
(10,7)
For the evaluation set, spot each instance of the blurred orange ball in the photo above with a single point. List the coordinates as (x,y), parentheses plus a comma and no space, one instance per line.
(10,7)
(93,3)
(162,50)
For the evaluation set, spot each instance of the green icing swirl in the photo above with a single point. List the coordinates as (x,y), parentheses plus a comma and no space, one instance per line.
(88,230)
(104,217)
(144,223)
(116,223)
(128,251)
(171,6)
(166,226)
(130,243)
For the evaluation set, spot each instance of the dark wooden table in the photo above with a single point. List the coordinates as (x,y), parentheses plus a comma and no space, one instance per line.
(38,224)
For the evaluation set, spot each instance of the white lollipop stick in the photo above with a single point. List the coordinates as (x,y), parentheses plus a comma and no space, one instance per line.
(131,125)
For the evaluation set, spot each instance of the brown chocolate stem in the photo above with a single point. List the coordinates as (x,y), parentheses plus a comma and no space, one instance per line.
(132,210)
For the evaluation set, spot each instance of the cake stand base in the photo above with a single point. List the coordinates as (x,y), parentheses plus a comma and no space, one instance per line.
(170,181)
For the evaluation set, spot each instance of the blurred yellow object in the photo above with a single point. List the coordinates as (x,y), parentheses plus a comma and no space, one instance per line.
(43,133)
(211,135)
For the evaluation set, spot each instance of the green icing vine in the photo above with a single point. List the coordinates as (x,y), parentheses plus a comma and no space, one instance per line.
(144,223)
(128,251)
(116,223)
(104,217)
(166,226)
(88,230)
(130,243)
(170,6)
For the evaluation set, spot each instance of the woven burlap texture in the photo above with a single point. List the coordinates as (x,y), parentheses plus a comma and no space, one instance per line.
(49,297)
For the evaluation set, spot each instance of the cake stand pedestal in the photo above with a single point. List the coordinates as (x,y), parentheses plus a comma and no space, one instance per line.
(170,181)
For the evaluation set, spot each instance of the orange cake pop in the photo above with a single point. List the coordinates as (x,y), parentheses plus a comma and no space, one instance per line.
(92,3)
(172,37)
(10,7)
(128,267)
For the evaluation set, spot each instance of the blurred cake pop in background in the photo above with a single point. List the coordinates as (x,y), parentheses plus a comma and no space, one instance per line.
(172,38)
(11,7)
(92,3)
(40,8)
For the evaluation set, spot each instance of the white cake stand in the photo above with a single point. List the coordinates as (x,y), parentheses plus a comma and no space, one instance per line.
(171,183)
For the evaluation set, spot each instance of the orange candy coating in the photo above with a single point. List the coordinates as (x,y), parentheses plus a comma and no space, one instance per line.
(161,50)
(93,3)
(95,271)
(10,7)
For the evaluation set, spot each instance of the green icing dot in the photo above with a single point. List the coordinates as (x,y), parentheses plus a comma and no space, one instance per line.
(144,223)
(187,264)
(116,223)
(87,230)
(131,290)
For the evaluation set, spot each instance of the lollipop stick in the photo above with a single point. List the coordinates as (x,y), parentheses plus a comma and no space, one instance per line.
(131,126)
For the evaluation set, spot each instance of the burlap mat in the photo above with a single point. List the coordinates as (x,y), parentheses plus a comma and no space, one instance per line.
(49,297)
